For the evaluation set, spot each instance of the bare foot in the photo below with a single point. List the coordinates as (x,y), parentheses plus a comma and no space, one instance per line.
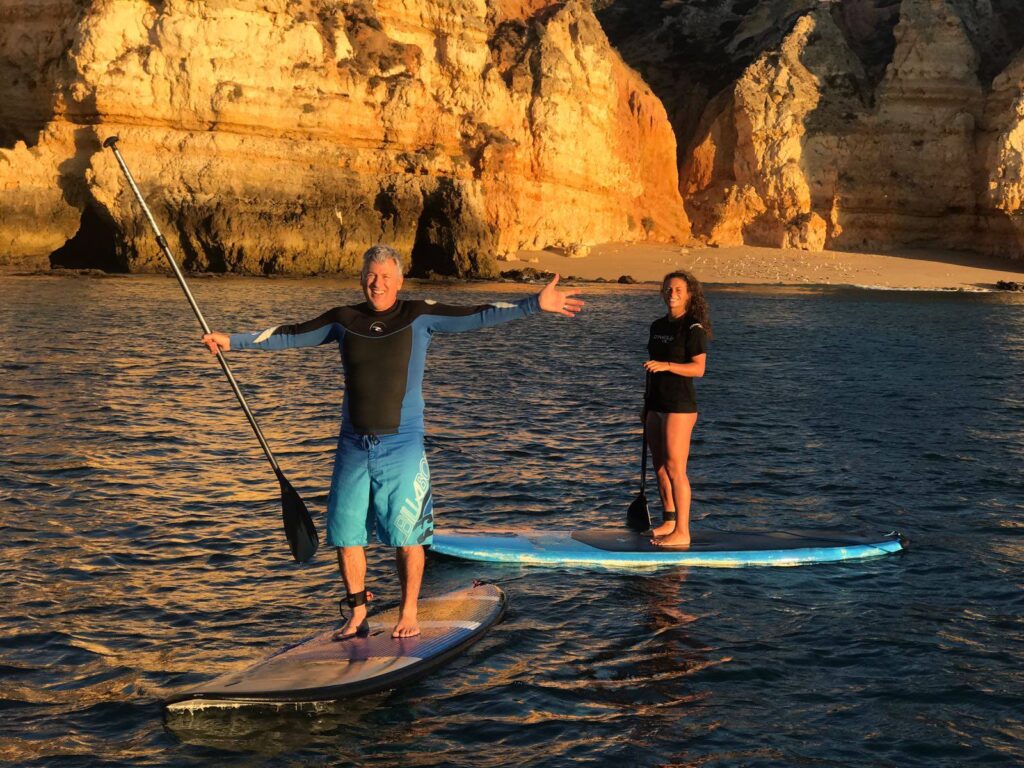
(407,626)
(664,529)
(352,625)
(675,540)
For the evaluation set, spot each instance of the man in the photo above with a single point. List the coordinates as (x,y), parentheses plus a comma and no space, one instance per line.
(381,479)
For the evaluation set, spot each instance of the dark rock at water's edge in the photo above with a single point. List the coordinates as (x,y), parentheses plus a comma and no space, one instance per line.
(69,272)
(527,275)
(1009,285)
(626,279)
(532,275)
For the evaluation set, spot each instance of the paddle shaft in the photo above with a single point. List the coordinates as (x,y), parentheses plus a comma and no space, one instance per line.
(643,452)
(643,464)
(195,307)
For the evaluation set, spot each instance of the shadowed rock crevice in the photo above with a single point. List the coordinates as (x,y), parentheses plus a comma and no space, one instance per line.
(509,53)
(451,240)
(375,54)
(996,30)
(94,246)
(385,206)
(689,52)
(72,171)
(195,231)
(434,245)
(867,26)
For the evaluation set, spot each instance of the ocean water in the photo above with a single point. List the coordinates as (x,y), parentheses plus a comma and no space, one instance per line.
(142,550)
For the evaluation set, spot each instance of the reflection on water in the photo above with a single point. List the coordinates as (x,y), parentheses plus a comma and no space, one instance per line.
(271,730)
(144,551)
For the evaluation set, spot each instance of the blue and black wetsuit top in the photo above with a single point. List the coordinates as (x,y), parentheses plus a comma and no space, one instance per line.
(674,341)
(383,353)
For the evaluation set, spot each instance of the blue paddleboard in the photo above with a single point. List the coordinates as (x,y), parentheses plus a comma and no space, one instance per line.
(320,669)
(624,548)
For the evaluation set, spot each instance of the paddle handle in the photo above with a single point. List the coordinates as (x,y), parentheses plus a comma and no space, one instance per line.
(111,143)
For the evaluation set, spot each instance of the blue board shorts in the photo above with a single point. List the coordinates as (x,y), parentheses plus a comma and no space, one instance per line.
(382,482)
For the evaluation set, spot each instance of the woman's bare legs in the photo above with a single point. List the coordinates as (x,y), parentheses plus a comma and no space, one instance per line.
(677,430)
(656,440)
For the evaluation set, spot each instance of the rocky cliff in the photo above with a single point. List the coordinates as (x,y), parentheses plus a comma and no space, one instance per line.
(862,124)
(287,135)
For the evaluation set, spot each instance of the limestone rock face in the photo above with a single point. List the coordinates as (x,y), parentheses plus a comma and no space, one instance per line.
(1002,154)
(823,159)
(912,168)
(866,124)
(36,216)
(39,210)
(287,135)
(772,165)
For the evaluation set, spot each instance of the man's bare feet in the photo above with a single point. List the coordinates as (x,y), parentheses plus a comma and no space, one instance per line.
(664,529)
(407,626)
(676,540)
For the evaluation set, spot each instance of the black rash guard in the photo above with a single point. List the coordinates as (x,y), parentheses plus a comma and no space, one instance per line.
(674,341)
(384,353)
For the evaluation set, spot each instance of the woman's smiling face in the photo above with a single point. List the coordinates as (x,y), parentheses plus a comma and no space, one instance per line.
(676,294)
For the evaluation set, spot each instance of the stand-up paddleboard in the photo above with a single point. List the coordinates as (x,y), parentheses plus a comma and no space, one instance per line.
(320,669)
(624,548)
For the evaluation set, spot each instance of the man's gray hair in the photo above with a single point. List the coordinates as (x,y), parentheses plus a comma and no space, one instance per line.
(380,254)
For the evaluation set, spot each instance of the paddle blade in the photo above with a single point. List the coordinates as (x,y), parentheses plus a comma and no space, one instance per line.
(298,525)
(638,516)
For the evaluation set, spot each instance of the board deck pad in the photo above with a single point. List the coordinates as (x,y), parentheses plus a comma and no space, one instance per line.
(320,669)
(721,541)
(625,548)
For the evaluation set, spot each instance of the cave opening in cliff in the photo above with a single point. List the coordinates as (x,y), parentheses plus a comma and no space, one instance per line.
(94,246)
(434,245)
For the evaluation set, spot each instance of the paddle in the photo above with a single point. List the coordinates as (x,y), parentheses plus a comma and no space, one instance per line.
(298,525)
(638,516)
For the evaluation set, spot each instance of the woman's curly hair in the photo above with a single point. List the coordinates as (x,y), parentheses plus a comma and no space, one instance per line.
(696,305)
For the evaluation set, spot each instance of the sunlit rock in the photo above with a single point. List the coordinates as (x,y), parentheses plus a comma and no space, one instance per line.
(279,136)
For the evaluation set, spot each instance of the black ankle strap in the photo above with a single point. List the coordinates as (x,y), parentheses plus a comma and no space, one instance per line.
(354,600)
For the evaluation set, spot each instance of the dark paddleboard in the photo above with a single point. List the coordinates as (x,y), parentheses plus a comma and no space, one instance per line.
(624,548)
(321,670)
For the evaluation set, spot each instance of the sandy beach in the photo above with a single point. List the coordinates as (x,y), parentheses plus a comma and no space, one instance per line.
(745,265)
(748,265)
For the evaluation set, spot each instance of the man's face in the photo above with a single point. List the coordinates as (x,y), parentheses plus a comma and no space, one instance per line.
(381,283)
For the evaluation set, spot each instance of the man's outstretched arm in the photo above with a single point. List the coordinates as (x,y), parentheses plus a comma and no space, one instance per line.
(449,319)
(311,333)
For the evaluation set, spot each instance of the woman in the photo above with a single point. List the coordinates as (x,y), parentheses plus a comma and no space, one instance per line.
(678,350)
